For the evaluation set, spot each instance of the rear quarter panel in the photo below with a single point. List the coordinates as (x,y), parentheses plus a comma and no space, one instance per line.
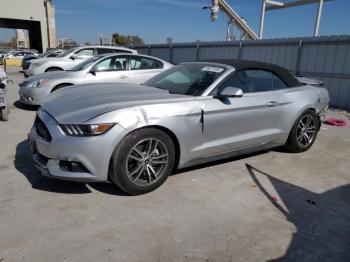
(293,102)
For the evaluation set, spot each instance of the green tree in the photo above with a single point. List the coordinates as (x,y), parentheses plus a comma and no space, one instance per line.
(137,40)
(120,39)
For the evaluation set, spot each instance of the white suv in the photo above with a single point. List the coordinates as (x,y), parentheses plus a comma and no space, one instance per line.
(71,58)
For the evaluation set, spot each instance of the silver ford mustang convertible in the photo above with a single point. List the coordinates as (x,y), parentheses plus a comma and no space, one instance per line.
(136,135)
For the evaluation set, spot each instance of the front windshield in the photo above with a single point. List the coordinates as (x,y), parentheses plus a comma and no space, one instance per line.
(66,52)
(187,79)
(85,64)
(44,54)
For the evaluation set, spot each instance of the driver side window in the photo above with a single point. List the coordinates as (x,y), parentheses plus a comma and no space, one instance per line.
(84,53)
(112,64)
(253,81)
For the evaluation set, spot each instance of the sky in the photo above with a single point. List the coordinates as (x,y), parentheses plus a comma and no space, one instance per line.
(185,21)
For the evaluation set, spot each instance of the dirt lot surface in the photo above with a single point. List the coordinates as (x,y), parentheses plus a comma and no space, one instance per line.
(271,205)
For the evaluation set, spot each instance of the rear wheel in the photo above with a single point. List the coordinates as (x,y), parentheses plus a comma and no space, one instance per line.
(143,161)
(304,132)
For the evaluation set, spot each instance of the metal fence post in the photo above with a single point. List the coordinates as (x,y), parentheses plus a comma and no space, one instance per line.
(197,51)
(297,64)
(239,50)
(171,53)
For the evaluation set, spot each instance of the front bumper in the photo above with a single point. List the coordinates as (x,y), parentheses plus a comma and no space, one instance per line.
(33,71)
(93,152)
(32,96)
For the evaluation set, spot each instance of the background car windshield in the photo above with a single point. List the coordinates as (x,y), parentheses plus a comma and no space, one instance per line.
(66,52)
(44,54)
(187,79)
(85,64)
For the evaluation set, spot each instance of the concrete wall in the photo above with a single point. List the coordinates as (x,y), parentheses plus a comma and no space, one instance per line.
(323,58)
(31,10)
(51,19)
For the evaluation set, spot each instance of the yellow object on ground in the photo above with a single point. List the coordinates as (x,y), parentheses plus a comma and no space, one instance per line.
(13,61)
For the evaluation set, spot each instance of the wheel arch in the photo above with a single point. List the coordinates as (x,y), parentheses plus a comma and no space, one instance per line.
(175,140)
(60,85)
(54,67)
(299,114)
(167,131)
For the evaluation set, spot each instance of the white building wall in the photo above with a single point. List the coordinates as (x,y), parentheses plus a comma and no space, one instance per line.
(26,10)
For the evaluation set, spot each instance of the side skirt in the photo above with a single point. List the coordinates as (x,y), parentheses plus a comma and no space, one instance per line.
(244,151)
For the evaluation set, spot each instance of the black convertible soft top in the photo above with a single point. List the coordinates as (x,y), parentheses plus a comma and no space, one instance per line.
(282,72)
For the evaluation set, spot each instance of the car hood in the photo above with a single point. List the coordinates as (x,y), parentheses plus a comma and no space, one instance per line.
(78,104)
(50,59)
(52,75)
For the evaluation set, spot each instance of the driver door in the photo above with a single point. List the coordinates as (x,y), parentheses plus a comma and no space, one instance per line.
(235,123)
(110,70)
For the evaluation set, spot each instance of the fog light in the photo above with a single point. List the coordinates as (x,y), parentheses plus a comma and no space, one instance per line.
(72,166)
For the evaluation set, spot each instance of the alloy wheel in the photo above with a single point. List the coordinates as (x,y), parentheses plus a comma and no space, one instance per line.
(147,162)
(306,130)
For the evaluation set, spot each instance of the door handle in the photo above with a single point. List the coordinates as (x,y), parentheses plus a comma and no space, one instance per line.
(123,76)
(272,103)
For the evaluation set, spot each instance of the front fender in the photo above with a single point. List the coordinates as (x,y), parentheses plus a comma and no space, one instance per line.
(183,120)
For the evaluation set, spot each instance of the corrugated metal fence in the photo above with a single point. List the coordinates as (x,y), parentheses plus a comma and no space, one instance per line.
(324,58)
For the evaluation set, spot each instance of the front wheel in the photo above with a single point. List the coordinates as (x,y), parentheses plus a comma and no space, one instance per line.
(304,132)
(143,161)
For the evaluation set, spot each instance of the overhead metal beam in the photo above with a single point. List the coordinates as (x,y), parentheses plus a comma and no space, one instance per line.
(275,3)
(233,16)
(270,5)
(292,4)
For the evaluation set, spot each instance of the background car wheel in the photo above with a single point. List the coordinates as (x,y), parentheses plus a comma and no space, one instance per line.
(5,113)
(143,161)
(304,132)
(53,69)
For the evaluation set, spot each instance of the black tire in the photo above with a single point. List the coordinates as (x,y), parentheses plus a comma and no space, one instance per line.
(122,158)
(58,87)
(53,69)
(5,111)
(299,142)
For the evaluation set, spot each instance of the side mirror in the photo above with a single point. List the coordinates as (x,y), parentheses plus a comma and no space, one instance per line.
(73,57)
(93,71)
(228,92)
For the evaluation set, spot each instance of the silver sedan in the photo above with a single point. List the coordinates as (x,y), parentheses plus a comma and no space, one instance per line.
(70,58)
(135,135)
(111,68)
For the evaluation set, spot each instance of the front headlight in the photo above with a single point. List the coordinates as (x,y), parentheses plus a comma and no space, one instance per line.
(39,83)
(86,129)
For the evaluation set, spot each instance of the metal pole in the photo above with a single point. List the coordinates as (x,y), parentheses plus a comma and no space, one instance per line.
(262,19)
(297,64)
(171,54)
(318,18)
(197,51)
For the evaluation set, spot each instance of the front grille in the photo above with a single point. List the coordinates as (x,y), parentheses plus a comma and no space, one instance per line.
(42,130)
